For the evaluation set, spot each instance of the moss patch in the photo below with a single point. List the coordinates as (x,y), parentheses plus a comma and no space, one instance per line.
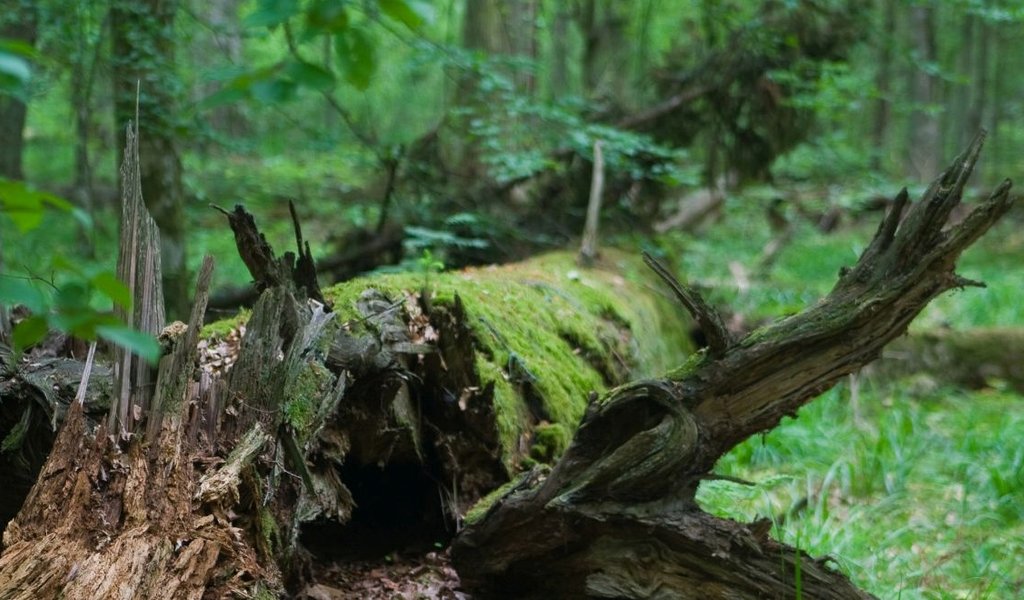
(549,441)
(221,329)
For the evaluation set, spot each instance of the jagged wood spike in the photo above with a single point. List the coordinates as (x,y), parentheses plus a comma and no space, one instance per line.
(138,267)
(711,323)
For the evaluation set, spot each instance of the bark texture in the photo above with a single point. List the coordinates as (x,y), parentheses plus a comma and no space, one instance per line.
(616,517)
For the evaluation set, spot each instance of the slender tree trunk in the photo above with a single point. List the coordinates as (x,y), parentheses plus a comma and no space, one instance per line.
(519,20)
(84,65)
(560,21)
(225,42)
(19,23)
(998,84)
(885,40)
(605,62)
(957,125)
(924,126)
(980,78)
(142,34)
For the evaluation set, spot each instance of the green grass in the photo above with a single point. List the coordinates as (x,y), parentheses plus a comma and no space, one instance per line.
(913,497)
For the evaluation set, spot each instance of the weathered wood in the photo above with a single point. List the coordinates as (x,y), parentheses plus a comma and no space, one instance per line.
(588,247)
(617,516)
(138,267)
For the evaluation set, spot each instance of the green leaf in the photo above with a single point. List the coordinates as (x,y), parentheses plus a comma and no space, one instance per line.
(134,341)
(72,296)
(327,16)
(15,67)
(225,95)
(356,53)
(273,91)
(309,75)
(25,205)
(110,286)
(410,13)
(17,290)
(29,332)
(19,48)
(270,13)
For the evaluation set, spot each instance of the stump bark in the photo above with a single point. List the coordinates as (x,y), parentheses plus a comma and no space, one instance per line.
(617,518)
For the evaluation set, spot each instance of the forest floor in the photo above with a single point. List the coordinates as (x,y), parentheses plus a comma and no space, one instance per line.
(409,577)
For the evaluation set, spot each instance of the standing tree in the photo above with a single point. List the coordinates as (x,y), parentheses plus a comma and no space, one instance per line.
(18,22)
(925,143)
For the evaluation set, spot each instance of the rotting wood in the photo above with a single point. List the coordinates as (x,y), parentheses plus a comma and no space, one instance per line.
(617,516)
(588,247)
(138,266)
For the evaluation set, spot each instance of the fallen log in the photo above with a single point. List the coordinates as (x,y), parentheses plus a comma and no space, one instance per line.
(971,359)
(617,516)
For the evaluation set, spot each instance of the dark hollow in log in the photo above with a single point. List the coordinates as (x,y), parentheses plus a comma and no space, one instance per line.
(617,518)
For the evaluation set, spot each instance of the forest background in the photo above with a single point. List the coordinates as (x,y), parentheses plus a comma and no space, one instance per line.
(750,141)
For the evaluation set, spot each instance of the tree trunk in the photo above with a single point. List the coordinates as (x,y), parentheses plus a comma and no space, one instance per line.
(924,125)
(957,128)
(885,40)
(142,34)
(605,63)
(225,42)
(980,78)
(973,359)
(617,516)
(560,84)
(19,23)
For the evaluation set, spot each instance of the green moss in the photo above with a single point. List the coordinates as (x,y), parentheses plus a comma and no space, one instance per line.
(305,393)
(549,441)
(268,530)
(477,512)
(220,329)
(262,592)
(16,436)
(547,328)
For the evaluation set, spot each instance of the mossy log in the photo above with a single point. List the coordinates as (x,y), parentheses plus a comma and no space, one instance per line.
(617,516)
(361,421)
(972,359)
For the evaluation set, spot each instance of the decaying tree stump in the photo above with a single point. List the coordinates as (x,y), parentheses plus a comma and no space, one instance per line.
(616,517)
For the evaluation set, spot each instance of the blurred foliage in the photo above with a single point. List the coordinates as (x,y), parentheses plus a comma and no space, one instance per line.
(62,293)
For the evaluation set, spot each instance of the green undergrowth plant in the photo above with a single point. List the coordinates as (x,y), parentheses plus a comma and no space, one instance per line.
(913,497)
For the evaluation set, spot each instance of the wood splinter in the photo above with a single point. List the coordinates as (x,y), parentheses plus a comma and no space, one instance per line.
(711,323)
